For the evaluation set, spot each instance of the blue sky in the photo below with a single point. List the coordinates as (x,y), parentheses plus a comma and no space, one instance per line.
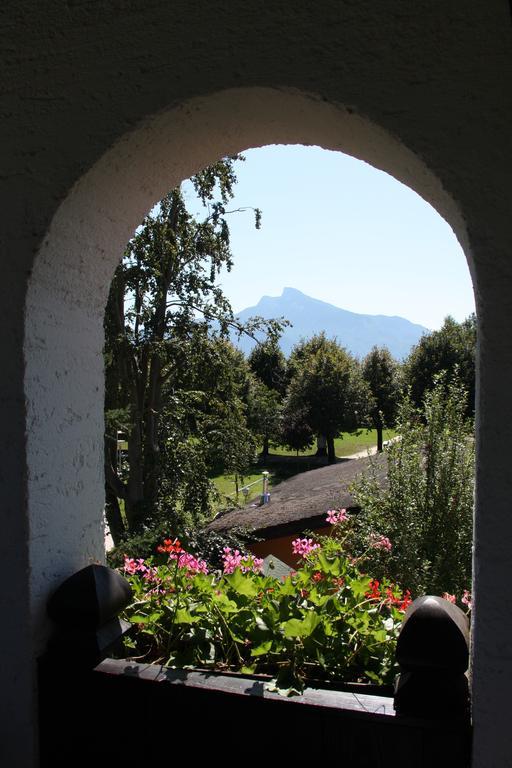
(343,232)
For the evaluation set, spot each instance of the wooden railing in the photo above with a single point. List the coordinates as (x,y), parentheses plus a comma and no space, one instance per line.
(108,712)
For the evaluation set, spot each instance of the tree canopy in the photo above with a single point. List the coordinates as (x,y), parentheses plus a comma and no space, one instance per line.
(381,373)
(164,308)
(453,349)
(327,387)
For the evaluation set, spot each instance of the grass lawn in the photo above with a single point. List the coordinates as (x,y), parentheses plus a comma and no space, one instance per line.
(345,445)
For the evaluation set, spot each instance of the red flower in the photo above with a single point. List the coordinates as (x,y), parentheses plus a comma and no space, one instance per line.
(373,592)
(172,547)
(406,601)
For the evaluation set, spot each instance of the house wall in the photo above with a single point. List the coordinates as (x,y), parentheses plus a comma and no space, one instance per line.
(281,546)
(104,107)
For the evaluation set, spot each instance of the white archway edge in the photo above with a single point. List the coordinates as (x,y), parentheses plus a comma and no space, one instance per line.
(72,273)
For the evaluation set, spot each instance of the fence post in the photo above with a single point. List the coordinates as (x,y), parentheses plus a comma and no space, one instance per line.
(433,653)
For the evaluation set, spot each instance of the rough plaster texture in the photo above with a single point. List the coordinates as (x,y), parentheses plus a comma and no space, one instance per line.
(104,106)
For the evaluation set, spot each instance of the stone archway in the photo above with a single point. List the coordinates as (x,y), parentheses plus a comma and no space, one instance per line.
(69,284)
(72,272)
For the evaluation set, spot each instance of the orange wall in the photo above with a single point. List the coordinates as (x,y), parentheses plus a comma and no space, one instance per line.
(281,546)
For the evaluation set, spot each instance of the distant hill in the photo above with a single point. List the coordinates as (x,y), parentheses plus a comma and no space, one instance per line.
(357,333)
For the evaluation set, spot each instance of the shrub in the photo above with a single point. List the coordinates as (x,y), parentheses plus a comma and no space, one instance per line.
(207,545)
(427,509)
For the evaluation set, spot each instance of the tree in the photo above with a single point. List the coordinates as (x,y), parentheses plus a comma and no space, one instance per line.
(164,290)
(381,373)
(328,386)
(203,427)
(426,508)
(295,432)
(268,365)
(450,348)
(264,414)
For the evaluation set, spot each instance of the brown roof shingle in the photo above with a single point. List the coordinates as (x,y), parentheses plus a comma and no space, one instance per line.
(303,500)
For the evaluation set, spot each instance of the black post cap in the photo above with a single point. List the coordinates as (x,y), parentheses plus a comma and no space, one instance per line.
(89,598)
(434,636)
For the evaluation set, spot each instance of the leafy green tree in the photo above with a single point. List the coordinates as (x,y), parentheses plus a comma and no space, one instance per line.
(381,373)
(451,348)
(426,508)
(328,386)
(264,414)
(232,444)
(165,288)
(203,428)
(295,421)
(268,364)
(295,432)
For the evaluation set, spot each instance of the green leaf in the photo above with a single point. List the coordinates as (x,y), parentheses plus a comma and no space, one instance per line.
(329,566)
(184,617)
(301,628)
(227,605)
(261,649)
(359,587)
(139,619)
(242,583)
(287,587)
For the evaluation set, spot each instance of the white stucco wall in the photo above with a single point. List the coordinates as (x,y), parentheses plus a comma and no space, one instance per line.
(65,305)
(103,110)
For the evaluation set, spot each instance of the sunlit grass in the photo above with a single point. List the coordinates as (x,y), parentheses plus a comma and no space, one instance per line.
(345,445)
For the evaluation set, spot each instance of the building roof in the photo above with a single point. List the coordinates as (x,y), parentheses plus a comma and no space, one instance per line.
(302,501)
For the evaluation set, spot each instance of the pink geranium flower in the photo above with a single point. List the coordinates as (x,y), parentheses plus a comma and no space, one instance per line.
(380,542)
(450,598)
(233,559)
(304,546)
(335,516)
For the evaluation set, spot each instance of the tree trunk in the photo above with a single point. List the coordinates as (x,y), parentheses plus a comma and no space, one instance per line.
(152,409)
(331,455)
(265,449)
(134,497)
(114,517)
(321,445)
(379,438)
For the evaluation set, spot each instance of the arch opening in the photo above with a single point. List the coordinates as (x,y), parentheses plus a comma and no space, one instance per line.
(73,270)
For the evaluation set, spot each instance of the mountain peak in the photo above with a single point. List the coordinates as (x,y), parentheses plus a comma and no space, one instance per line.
(292,292)
(356,332)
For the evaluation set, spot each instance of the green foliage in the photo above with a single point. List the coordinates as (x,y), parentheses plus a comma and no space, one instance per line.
(325,621)
(296,433)
(171,388)
(263,413)
(450,349)
(381,373)
(268,364)
(427,509)
(208,545)
(327,389)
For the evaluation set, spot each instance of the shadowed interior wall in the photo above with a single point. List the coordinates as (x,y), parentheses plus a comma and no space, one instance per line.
(103,110)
